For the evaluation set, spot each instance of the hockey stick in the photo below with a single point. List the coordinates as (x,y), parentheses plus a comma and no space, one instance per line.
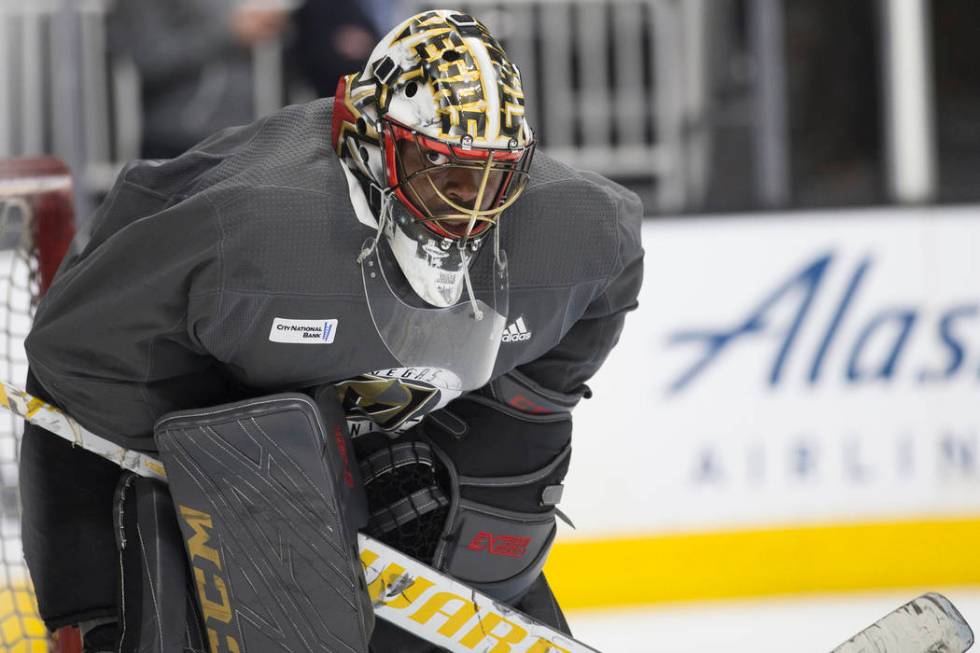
(928,624)
(405,592)
(410,594)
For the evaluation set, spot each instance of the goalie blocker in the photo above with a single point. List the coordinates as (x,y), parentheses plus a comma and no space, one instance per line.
(269,506)
(474,491)
(506,450)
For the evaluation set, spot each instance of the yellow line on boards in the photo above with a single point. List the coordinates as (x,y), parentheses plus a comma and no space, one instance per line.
(764,562)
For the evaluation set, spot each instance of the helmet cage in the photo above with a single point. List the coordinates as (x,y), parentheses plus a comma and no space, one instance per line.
(500,176)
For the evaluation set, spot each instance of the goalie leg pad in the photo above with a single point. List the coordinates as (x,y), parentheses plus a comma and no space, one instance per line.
(157,609)
(268,505)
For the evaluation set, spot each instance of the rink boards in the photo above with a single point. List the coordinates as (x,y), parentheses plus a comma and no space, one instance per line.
(791,409)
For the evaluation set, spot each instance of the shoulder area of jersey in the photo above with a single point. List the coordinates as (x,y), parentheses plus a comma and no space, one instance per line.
(559,192)
(288,149)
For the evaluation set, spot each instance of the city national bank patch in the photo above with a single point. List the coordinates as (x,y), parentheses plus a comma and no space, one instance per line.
(304,332)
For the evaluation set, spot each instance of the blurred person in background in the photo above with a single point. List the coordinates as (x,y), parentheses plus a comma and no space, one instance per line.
(332,39)
(194,62)
(383,13)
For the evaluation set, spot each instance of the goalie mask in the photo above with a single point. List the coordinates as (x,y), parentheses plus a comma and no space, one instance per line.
(432,132)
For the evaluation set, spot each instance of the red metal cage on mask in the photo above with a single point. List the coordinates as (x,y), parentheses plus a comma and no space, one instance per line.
(456,191)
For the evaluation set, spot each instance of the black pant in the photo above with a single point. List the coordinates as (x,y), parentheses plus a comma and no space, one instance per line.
(66,523)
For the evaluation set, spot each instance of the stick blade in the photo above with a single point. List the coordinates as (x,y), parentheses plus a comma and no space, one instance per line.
(928,624)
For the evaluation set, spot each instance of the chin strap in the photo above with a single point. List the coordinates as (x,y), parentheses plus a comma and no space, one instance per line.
(477,313)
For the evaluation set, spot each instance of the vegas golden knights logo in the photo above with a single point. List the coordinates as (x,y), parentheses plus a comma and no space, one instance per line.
(212,591)
(386,401)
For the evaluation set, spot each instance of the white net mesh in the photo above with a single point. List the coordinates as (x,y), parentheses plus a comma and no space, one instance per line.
(18,289)
(34,199)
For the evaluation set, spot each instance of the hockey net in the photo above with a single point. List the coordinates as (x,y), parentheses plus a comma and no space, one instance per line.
(36,227)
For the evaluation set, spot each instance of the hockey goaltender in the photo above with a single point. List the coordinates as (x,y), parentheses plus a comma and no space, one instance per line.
(394,271)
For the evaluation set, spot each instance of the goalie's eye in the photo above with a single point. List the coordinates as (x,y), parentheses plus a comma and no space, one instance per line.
(436,158)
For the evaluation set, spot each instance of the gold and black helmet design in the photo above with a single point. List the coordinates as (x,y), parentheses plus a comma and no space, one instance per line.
(437,118)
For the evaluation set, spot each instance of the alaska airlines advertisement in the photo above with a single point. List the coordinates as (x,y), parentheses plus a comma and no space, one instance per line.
(807,383)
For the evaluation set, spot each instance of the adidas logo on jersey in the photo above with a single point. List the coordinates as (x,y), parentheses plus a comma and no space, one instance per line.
(517,331)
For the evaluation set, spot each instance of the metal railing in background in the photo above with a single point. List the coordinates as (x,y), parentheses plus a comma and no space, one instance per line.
(618,86)
(38,112)
(615,86)
(910,122)
(770,128)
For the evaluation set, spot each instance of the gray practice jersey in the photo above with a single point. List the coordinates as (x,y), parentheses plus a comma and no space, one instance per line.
(195,264)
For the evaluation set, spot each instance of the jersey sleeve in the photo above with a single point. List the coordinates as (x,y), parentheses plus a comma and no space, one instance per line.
(580,353)
(113,342)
